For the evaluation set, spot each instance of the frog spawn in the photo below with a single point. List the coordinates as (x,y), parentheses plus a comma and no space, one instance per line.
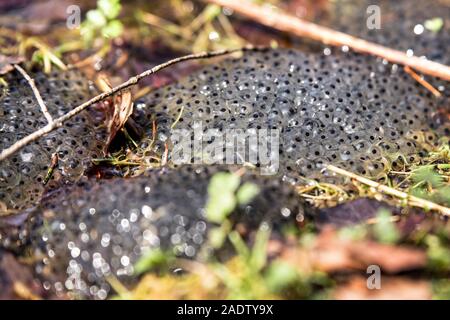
(402,27)
(352,110)
(100,228)
(79,140)
(402,24)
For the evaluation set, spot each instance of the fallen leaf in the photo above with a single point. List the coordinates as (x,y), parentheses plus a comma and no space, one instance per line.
(118,114)
(7,63)
(16,280)
(330,253)
(392,288)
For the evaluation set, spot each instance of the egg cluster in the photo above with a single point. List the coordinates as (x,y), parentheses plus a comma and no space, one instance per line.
(351,110)
(79,140)
(100,228)
(403,24)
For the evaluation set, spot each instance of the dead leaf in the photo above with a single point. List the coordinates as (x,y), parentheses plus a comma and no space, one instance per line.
(330,253)
(16,279)
(118,114)
(7,63)
(391,259)
(392,288)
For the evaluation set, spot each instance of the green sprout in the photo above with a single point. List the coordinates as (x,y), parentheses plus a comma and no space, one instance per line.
(429,184)
(153,259)
(385,230)
(434,25)
(102,21)
(224,195)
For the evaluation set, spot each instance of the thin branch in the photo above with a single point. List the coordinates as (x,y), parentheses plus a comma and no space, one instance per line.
(36,93)
(422,81)
(130,82)
(288,23)
(412,200)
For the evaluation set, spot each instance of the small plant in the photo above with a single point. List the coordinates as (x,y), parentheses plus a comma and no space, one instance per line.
(224,194)
(429,184)
(153,259)
(438,253)
(102,21)
(434,25)
(384,229)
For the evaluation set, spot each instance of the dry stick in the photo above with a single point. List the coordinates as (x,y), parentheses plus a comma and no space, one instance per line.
(415,201)
(422,81)
(287,23)
(130,82)
(36,93)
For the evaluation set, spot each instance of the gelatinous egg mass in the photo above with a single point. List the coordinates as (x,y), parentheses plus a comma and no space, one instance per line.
(22,175)
(404,25)
(352,110)
(100,228)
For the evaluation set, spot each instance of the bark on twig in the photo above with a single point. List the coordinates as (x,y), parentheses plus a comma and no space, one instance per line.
(130,82)
(288,23)
(422,81)
(36,93)
(412,200)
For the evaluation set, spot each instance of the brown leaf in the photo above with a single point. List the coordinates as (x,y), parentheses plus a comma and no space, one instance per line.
(7,63)
(16,280)
(118,114)
(391,259)
(392,288)
(330,253)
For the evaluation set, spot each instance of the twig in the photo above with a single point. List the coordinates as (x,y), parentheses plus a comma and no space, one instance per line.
(51,169)
(288,23)
(422,81)
(130,82)
(178,118)
(412,200)
(36,93)
(377,220)
(165,155)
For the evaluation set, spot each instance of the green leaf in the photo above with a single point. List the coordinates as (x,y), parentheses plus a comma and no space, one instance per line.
(220,206)
(434,25)
(223,182)
(221,198)
(110,8)
(280,275)
(385,230)
(438,253)
(218,235)
(247,192)
(427,175)
(113,29)
(239,245)
(150,260)
(258,256)
(96,18)
(87,32)
(442,195)
(211,11)
(420,193)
